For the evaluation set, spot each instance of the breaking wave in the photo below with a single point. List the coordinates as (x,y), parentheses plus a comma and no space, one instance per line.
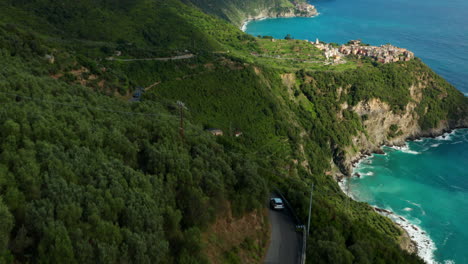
(406,149)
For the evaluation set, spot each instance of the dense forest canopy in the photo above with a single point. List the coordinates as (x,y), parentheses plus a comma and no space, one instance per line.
(88,177)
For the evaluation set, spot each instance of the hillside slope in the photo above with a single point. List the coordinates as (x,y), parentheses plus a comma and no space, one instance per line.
(88,177)
(237,11)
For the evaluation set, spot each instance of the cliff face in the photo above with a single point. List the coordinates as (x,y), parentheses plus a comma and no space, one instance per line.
(385,127)
(239,11)
(298,10)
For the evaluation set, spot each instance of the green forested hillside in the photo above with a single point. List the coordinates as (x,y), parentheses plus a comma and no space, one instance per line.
(88,177)
(138,28)
(236,11)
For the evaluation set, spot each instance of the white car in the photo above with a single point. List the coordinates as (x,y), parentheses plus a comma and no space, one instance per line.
(276,204)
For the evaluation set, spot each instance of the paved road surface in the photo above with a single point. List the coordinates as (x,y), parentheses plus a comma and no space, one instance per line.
(285,242)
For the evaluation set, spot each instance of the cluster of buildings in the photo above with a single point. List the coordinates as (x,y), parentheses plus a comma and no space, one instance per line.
(384,54)
(330,52)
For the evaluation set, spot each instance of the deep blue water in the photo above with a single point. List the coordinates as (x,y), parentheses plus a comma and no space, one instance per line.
(436,31)
(426,183)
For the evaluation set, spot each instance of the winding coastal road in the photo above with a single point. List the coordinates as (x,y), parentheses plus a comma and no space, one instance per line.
(179,57)
(285,242)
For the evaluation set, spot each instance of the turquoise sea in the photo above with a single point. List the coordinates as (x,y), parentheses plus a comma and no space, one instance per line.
(436,31)
(425,182)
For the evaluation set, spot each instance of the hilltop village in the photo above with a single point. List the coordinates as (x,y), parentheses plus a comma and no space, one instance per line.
(384,54)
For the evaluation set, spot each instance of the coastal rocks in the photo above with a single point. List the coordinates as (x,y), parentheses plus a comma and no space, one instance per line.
(379,121)
(386,127)
(380,210)
(305,9)
(413,240)
(297,10)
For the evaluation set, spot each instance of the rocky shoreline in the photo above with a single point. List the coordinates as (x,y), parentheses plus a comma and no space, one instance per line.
(420,243)
(379,120)
(299,10)
(367,153)
(414,239)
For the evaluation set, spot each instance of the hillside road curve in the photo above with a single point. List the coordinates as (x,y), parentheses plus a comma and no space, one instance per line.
(285,242)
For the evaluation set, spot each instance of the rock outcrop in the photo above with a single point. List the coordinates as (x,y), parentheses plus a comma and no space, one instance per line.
(385,127)
(298,10)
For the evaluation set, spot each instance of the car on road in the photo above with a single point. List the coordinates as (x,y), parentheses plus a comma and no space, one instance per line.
(276,204)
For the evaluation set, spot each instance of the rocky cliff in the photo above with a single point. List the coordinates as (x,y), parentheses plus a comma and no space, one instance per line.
(386,127)
(239,11)
(298,10)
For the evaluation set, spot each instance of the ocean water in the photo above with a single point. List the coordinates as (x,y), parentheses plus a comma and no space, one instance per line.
(425,182)
(436,31)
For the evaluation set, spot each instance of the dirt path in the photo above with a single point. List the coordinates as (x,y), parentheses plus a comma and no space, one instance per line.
(152,85)
(179,57)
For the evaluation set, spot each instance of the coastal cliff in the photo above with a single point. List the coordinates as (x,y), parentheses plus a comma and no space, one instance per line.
(384,126)
(297,10)
(238,13)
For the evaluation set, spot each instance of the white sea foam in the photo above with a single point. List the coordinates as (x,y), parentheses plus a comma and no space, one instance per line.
(424,243)
(446,136)
(412,152)
(405,149)
(345,188)
(362,174)
(244,25)
(365,160)
(417,205)
(423,150)
(425,246)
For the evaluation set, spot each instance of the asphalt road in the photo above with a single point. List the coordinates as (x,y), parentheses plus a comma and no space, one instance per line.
(285,242)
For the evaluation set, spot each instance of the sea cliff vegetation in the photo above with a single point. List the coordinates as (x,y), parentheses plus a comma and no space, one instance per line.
(237,11)
(88,177)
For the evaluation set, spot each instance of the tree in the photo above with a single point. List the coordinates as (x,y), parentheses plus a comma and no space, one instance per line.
(56,246)
(6,224)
